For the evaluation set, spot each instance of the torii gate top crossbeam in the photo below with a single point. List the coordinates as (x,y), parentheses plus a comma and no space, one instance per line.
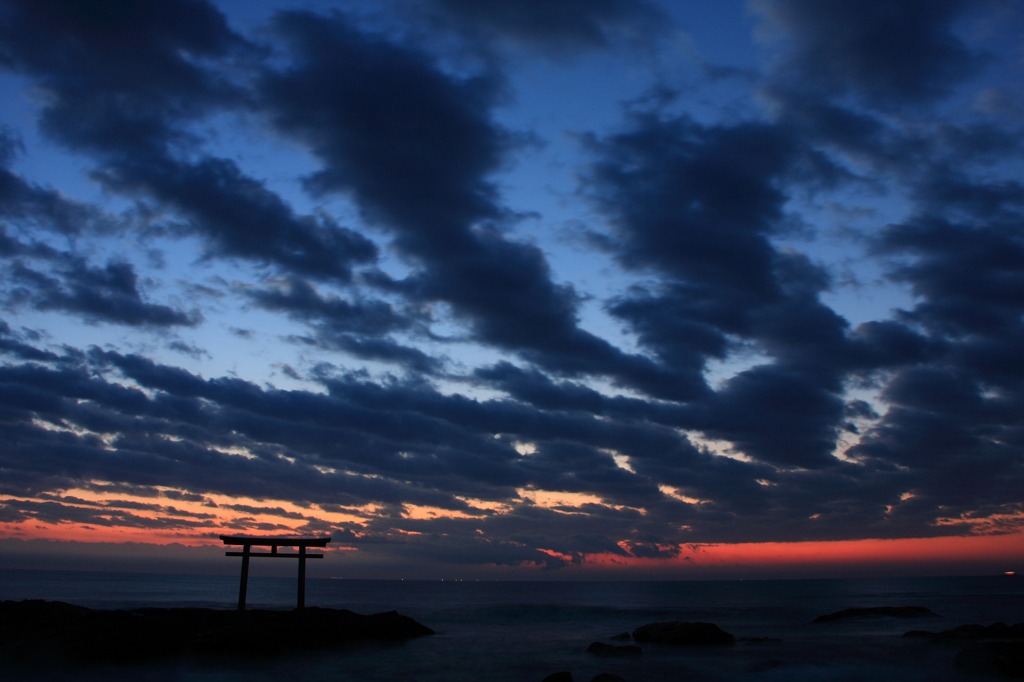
(272,542)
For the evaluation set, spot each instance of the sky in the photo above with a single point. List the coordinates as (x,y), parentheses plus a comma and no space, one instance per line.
(521,289)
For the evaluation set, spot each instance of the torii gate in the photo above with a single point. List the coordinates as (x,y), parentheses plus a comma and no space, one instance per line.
(274,543)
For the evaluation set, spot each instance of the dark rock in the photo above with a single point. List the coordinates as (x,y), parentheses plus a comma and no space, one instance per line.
(683,634)
(759,640)
(1000,659)
(764,666)
(623,636)
(602,649)
(972,632)
(564,676)
(125,637)
(879,612)
(607,677)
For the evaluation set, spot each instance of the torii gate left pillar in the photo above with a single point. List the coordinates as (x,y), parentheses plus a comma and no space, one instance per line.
(274,543)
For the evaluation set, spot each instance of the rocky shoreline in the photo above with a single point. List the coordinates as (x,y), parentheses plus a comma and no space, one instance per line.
(57,631)
(990,651)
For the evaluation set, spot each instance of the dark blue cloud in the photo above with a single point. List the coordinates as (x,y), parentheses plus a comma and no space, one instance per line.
(360,327)
(555,27)
(31,206)
(414,147)
(124,80)
(98,294)
(698,205)
(890,54)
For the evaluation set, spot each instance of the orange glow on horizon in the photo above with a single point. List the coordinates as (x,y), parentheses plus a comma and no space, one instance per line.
(75,532)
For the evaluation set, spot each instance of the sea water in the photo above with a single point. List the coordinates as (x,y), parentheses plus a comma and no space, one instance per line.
(524,631)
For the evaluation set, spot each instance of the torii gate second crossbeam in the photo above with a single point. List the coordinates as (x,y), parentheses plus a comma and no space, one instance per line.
(273,543)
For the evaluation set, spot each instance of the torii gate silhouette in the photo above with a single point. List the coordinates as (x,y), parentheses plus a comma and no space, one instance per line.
(274,543)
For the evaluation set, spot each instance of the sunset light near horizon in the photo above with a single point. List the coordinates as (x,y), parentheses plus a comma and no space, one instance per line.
(514,289)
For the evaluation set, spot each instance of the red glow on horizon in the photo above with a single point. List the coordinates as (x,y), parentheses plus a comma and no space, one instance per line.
(1006,547)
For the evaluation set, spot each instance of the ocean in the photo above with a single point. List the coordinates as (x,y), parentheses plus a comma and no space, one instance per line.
(524,631)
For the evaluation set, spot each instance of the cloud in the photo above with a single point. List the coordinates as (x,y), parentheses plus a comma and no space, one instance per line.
(697,206)
(119,71)
(359,328)
(722,386)
(28,205)
(108,294)
(414,146)
(364,443)
(240,217)
(123,84)
(556,27)
(12,343)
(890,54)
(956,419)
(844,70)
(57,512)
(195,352)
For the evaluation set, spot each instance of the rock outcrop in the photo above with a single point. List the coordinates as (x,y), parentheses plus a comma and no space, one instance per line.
(999,659)
(682,634)
(602,649)
(33,628)
(970,633)
(563,676)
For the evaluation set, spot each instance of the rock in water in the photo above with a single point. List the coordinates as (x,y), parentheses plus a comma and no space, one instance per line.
(563,676)
(1002,659)
(607,677)
(879,612)
(602,649)
(971,632)
(683,634)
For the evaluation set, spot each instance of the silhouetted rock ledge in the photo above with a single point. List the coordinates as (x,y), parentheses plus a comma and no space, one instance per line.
(36,628)
(998,659)
(561,676)
(682,634)
(602,649)
(879,612)
(971,633)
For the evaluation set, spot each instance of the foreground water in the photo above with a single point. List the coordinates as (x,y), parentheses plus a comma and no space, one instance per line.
(523,631)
